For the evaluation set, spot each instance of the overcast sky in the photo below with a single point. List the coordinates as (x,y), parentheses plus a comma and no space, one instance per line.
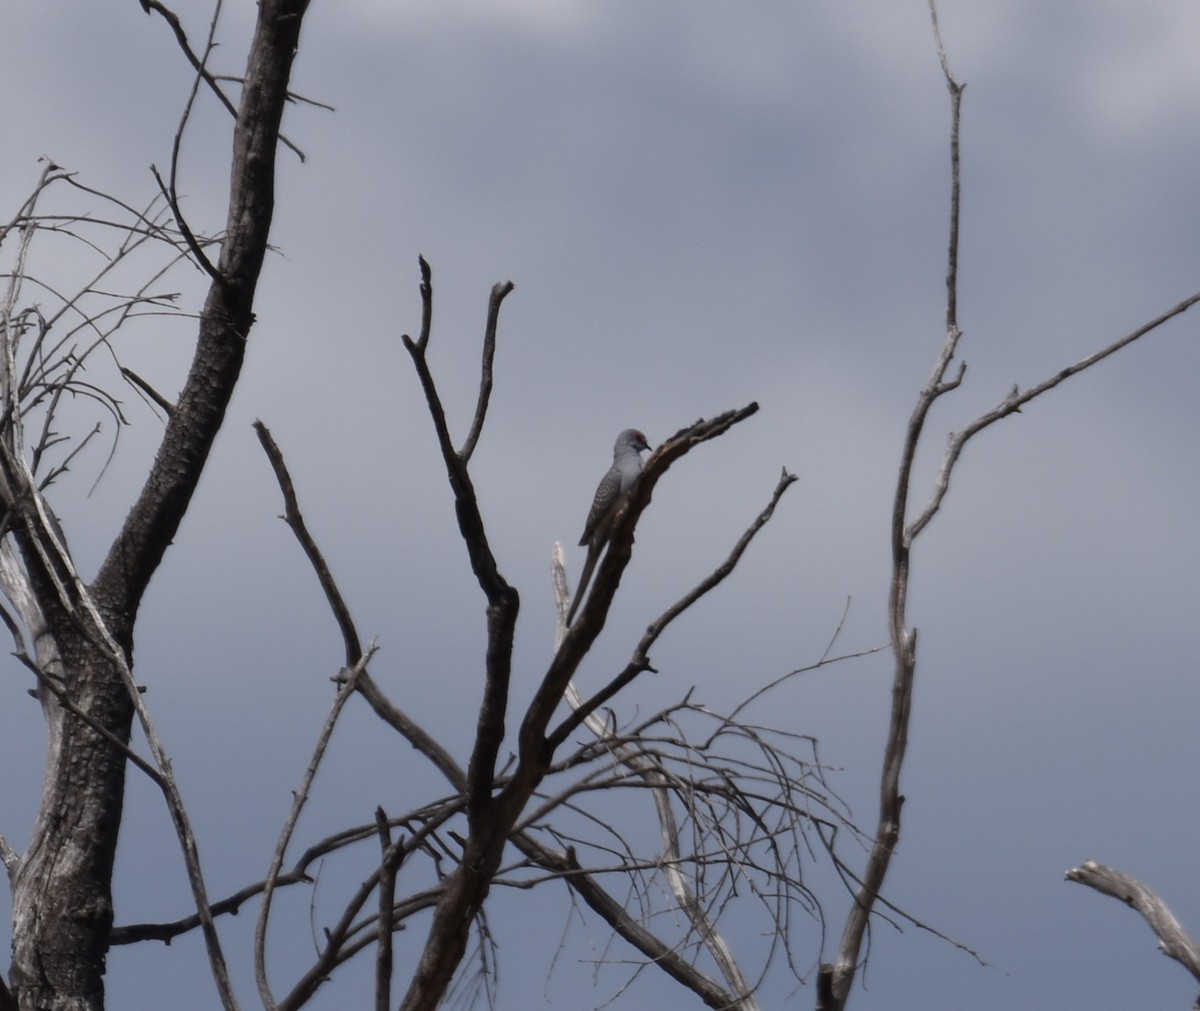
(701,204)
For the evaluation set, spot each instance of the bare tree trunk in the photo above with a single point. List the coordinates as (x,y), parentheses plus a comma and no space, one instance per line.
(62,897)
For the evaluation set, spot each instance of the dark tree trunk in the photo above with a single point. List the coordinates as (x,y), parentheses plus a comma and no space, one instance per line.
(62,894)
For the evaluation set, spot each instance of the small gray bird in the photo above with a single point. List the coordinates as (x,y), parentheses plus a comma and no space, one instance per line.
(614,486)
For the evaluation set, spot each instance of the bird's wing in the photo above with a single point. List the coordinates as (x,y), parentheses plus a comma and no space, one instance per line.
(607,494)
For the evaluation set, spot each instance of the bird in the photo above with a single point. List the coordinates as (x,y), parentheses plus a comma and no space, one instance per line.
(611,492)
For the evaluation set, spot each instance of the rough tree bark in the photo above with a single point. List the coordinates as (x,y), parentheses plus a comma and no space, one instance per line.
(62,898)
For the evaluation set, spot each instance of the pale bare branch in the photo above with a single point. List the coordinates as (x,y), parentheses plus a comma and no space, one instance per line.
(1173,940)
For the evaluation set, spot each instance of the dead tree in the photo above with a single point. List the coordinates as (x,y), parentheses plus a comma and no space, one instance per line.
(728,820)
(740,806)
(76,636)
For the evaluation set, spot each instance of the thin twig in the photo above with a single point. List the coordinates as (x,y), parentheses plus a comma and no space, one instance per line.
(345,689)
(1013,403)
(211,80)
(295,519)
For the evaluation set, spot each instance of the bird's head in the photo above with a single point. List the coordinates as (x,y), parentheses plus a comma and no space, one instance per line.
(631,438)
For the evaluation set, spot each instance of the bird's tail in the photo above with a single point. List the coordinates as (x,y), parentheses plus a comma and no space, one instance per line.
(584,579)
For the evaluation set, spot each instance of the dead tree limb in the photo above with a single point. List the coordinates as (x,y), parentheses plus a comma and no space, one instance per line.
(299,798)
(837,978)
(504,602)
(1173,940)
(640,660)
(643,764)
(492,817)
(559,863)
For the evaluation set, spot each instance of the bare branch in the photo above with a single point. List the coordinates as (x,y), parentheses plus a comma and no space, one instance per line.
(185,230)
(198,63)
(956,93)
(295,519)
(590,621)
(52,685)
(640,661)
(228,313)
(396,718)
(503,600)
(8,856)
(1013,403)
(837,978)
(426,289)
(389,863)
(499,293)
(411,731)
(1173,940)
(491,819)
(430,816)
(346,940)
(167,407)
(577,877)
(134,933)
(345,689)
(642,939)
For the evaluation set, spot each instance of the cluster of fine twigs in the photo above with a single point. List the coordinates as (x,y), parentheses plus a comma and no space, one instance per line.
(741,809)
(57,351)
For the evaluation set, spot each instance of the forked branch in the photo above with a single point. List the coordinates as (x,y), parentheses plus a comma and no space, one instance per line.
(640,661)
(836,978)
(1017,399)
(642,762)
(555,862)
(590,621)
(503,600)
